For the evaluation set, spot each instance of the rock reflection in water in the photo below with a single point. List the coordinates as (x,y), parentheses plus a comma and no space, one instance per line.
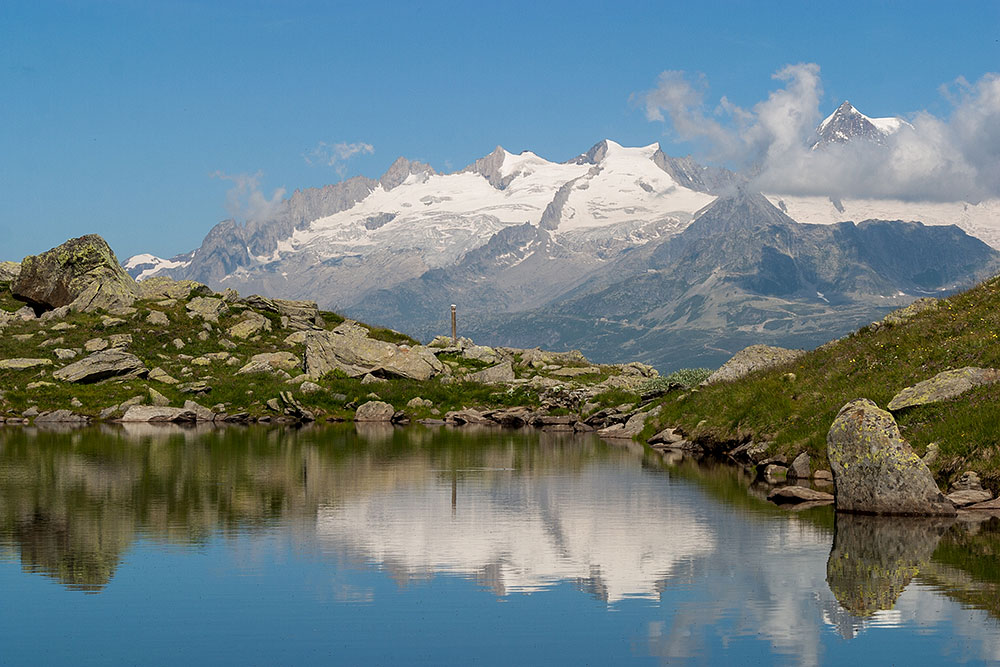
(874,558)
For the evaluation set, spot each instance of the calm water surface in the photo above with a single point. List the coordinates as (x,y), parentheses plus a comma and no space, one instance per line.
(156,545)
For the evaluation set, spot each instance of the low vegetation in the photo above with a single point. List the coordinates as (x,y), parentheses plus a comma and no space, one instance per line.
(792,406)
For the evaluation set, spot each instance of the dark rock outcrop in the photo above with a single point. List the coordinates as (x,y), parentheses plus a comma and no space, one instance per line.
(875,470)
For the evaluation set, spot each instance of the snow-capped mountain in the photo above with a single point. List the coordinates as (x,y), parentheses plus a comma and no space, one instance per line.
(848,124)
(549,253)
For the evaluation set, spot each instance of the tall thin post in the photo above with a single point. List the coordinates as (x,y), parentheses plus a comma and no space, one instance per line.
(454,326)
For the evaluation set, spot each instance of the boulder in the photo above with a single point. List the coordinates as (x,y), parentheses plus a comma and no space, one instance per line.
(944,386)
(480,353)
(875,471)
(161,375)
(201,413)
(349,349)
(631,428)
(9,271)
(153,413)
(969,497)
(798,494)
(251,324)
(667,436)
(207,308)
(800,468)
(374,411)
(61,417)
(82,273)
(22,364)
(469,416)
(102,365)
(751,359)
(902,314)
(158,399)
(987,505)
(499,374)
(298,315)
(158,318)
(286,361)
(162,287)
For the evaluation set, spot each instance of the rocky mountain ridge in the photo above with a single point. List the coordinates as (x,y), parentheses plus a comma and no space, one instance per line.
(510,235)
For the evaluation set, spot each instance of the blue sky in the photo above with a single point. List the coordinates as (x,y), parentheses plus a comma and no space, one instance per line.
(121,117)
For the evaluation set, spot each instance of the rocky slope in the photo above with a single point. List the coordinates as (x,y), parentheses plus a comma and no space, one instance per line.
(175,351)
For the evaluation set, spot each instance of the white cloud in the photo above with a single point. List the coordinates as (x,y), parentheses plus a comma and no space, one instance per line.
(957,158)
(245,200)
(335,154)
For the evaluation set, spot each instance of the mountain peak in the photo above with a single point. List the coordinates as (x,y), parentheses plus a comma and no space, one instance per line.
(401,169)
(847,124)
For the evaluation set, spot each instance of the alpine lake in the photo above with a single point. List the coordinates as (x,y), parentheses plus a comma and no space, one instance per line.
(372,544)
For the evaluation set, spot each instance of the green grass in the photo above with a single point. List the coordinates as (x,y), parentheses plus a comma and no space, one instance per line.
(873,363)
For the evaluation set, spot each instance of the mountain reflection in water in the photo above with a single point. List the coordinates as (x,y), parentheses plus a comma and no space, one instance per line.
(516,512)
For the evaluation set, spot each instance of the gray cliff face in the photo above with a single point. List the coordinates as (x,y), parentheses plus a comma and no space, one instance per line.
(489,168)
(596,153)
(400,170)
(690,174)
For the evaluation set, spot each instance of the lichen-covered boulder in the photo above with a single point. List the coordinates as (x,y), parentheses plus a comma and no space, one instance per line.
(164,287)
(102,365)
(875,471)
(751,359)
(944,386)
(82,273)
(349,349)
(374,411)
(21,363)
(9,271)
(499,374)
(207,308)
(251,324)
(298,315)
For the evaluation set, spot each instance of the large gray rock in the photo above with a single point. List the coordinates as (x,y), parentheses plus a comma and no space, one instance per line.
(969,497)
(944,386)
(800,467)
(875,471)
(82,273)
(61,417)
(102,365)
(298,315)
(751,359)
(349,349)
(251,324)
(798,494)
(162,287)
(9,271)
(153,413)
(21,364)
(206,307)
(499,374)
(374,411)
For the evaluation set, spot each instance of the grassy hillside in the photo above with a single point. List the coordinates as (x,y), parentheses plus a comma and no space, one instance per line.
(875,363)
